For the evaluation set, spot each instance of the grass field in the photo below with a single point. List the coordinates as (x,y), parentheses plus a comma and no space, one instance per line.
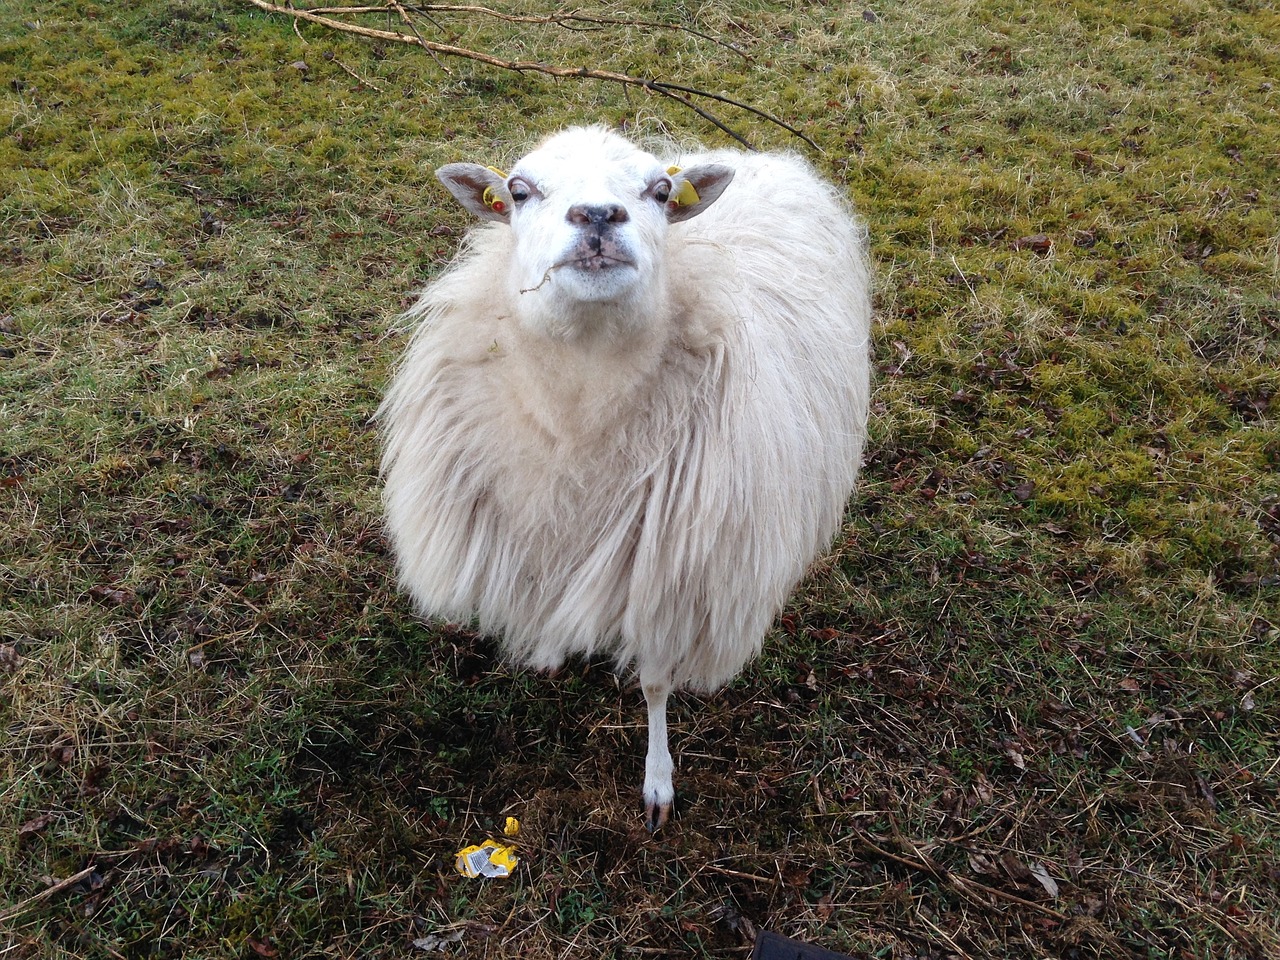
(1027,708)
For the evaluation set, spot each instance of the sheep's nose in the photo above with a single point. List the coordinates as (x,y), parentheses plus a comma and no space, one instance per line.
(597,215)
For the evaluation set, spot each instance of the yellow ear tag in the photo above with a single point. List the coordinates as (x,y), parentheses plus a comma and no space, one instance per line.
(686,196)
(490,198)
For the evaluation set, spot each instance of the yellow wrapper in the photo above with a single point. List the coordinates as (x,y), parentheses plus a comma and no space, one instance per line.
(488,859)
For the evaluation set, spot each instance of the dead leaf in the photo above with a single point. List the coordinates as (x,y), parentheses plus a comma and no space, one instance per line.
(1206,791)
(114,595)
(982,864)
(729,916)
(1041,873)
(1129,685)
(262,948)
(9,658)
(1036,243)
(904,354)
(32,827)
(824,907)
(1014,753)
(92,782)
(982,789)
(1075,864)
(437,941)
(1015,868)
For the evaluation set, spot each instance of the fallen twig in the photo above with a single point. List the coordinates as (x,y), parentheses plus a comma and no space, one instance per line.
(19,908)
(364,80)
(962,885)
(674,91)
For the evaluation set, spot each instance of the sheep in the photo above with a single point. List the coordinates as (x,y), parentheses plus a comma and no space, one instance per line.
(633,410)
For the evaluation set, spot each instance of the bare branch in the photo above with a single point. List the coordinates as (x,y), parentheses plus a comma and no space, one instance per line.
(705,114)
(681,94)
(565,18)
(421,42)
(664,87)
(561,19)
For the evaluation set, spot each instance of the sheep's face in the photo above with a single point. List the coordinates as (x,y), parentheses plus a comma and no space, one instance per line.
(589,213)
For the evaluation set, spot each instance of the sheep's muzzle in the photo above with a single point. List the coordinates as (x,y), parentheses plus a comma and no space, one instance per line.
(598,248)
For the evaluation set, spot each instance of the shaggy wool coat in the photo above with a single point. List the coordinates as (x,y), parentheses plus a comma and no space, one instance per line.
(653,490)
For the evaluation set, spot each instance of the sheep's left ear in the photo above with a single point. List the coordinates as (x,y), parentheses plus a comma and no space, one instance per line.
(695,189)
(482,190)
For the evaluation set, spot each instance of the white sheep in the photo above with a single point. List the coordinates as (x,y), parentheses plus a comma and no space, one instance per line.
(633,411)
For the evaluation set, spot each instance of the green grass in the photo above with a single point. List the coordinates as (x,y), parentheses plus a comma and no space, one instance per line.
(1048,635)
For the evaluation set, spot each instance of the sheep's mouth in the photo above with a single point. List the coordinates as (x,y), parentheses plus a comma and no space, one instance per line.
(599,261)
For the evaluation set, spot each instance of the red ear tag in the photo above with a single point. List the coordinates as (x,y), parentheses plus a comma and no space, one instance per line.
(498,206)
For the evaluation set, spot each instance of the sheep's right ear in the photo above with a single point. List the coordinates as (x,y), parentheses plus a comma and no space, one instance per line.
(482,190)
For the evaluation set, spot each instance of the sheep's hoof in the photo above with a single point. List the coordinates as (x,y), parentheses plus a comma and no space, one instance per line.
(656,815)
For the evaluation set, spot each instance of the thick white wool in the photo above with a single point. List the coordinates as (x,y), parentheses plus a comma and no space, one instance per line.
(647,479)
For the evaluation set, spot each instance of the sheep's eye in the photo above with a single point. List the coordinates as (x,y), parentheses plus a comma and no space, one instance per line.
(520,191)
(662,191)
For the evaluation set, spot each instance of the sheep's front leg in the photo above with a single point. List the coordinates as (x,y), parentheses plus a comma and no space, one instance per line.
(658,792)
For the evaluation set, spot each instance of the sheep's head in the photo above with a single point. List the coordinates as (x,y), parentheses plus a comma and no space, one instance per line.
(589,212)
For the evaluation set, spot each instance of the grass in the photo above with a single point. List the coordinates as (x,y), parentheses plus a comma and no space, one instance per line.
(1043,649)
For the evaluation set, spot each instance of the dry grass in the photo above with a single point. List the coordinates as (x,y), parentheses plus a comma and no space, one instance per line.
(1026,708)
